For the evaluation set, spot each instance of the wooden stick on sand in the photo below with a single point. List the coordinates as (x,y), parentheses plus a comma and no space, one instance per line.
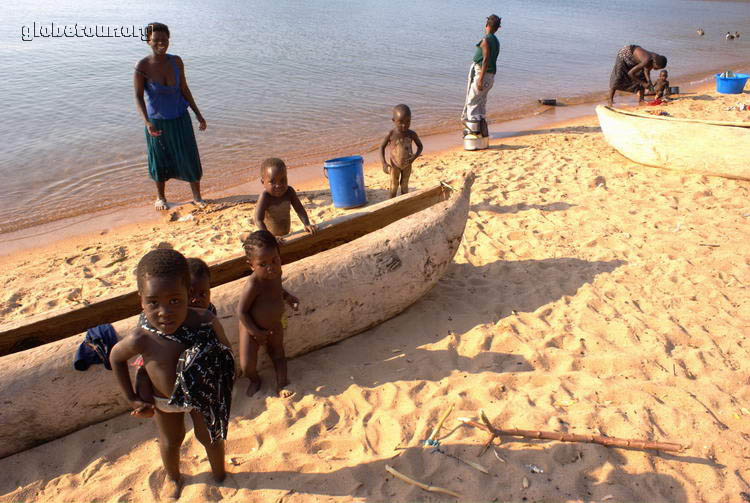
(570,437)
(439,425)
(409,480)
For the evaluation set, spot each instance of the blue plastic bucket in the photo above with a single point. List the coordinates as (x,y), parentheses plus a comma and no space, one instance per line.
(731,85)
(347,181)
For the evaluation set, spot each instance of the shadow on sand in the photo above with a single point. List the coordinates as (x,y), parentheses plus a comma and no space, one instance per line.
(570,472)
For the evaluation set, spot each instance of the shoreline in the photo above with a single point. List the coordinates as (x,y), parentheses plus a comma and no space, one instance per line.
(74,230)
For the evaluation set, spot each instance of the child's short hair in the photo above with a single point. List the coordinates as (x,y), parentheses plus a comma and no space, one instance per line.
(152,27)
(198,268)
(259,240)
(271,162)
(163,263)
(402,110)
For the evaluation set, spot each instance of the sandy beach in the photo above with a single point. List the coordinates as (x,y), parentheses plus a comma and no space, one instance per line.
(590,295)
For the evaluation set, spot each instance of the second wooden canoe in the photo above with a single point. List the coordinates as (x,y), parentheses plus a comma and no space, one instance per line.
(695,146)
(342,292)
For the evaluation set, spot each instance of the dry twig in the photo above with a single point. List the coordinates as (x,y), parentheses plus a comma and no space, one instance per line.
(571,437)
(428,488)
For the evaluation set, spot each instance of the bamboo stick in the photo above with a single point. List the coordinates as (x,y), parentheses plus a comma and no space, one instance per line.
(423,486)
(571,437)
(439,425)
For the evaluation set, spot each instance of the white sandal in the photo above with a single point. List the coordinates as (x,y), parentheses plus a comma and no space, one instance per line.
(161,204)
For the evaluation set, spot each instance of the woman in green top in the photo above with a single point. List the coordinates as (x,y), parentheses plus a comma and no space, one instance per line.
(482,72)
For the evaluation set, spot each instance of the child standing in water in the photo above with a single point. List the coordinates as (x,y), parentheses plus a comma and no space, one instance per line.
(400,139)
(188,360)
(275,202)
(261,311)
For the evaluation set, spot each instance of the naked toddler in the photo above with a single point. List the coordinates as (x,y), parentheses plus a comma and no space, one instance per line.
(661,86)
(261,311)
(275,202)
(400,139)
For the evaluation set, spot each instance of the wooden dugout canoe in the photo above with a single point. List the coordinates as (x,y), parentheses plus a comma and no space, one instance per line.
(343,291)
(715,148)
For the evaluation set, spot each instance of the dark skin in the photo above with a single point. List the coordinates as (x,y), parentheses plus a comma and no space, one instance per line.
(157,68)
(485,56)
(200,297)
(165,303)
(400,139)
(640,73)
(661,86)
(276,192)
(260,310)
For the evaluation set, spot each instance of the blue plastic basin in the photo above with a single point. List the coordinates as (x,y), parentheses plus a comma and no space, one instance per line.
(731,85)
(346,180)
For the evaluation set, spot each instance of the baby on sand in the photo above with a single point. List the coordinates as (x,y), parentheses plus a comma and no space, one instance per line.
(661,86)
(275,202)
(188,361)
(400,139)
(261,311)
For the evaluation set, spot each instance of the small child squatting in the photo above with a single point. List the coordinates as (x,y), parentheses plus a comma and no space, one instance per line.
(661,86)
(261,311)
(400,139)
(275,202)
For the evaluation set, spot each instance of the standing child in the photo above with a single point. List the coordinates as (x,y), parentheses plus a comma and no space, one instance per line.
(200,297)
(188,360)
(277,199)
(200,284)
(400,139)
(261,311)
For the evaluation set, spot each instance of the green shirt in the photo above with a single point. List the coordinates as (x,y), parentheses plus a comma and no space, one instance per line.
(493,45)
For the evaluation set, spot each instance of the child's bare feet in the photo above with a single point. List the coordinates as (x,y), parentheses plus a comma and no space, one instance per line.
(283,390)
(172,488)
(200,203)
(219,477)
(144,412)
(253,387)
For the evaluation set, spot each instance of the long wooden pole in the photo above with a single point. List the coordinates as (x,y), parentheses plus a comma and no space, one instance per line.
(570,437)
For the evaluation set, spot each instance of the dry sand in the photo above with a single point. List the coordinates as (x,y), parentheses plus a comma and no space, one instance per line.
(590,295)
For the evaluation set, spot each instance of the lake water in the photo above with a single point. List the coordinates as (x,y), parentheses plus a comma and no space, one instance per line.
(301,80)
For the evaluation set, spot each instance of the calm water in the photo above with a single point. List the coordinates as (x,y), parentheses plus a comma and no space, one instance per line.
(302,80)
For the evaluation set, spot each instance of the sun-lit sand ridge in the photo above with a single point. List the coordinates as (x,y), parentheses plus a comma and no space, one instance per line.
(590,295)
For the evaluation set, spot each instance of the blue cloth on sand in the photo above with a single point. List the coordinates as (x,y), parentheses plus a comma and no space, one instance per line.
(96,347)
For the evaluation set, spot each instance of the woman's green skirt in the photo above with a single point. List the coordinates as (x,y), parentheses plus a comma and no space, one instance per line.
(174,153)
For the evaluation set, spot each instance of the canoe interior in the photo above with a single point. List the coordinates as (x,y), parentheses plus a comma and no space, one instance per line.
(49,327)
(639,115)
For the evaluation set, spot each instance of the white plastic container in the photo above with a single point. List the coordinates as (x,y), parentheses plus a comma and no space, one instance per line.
(476,142)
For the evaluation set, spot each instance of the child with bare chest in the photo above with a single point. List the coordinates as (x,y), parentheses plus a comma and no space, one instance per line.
(400,139)
(261,311)
(661,86)
(272,212)
(188,360)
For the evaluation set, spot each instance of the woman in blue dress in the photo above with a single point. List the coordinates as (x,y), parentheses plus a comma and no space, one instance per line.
(163,96)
